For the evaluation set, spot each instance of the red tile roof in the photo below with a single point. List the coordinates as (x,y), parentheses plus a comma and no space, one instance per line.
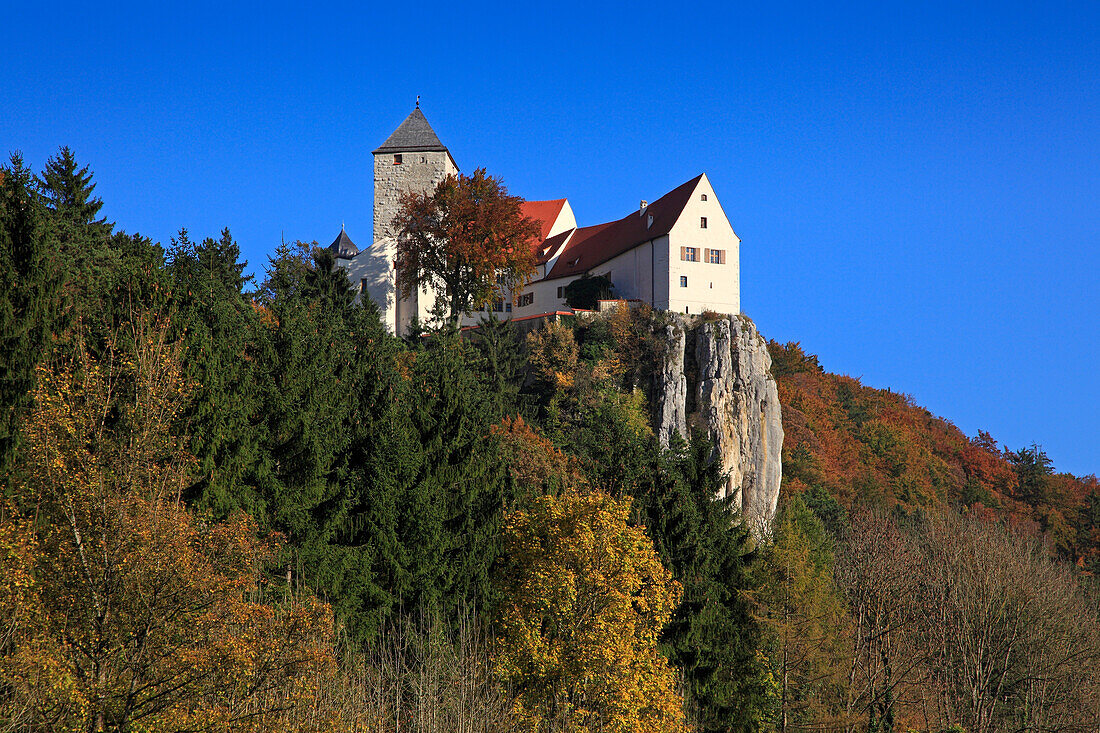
(548,247)
(594,245)
(544,212)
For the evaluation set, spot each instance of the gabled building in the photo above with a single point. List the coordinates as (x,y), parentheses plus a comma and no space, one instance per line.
(678,253)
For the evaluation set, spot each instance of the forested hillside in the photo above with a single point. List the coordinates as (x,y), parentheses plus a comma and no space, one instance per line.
(873,447)
(232,505)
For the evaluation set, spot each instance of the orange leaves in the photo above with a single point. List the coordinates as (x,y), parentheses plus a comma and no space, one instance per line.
(126,609)
(460,238)
(535,464)
(585,599)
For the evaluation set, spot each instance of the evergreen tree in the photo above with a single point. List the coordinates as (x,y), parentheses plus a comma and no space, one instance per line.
(218,325)
(67,189)
(1033,471)
(28,290)
(449,517)
(712,637)
(501,353)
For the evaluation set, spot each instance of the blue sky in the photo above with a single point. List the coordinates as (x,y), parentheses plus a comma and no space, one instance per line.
(917,186)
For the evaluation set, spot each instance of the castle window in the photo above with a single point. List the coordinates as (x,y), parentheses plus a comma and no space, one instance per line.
(397,158)
(689,254)
(702,222)
(683,281)
(703,197)
(561,291)
(363,286)
(525,299)
(423,159)
(716,256)
(498,305)
(507,307)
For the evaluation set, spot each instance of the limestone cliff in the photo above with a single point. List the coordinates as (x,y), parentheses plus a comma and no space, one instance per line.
(716,377)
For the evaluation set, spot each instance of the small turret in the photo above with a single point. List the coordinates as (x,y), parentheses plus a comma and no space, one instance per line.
(342,246)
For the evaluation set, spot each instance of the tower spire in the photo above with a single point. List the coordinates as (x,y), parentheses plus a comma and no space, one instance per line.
(418,101)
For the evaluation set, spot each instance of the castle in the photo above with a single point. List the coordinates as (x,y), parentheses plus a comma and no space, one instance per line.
(678,253)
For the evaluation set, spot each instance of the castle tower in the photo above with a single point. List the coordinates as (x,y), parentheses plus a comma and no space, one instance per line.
(411,159)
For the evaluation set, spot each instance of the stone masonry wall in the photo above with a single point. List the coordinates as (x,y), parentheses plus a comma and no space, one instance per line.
(418,172)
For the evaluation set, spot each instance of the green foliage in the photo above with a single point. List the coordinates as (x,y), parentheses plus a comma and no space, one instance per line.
(826,508)
(712,636)
(28,291)
(501,353)
(790,359)
(218,326)
(804,618)
(67,190)
(451,512)
(1033,469)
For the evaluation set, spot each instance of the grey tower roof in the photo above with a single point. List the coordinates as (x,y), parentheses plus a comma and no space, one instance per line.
(414,135)
(343,247)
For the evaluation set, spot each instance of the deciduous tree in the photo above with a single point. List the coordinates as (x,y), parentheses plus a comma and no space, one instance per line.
(584,602)
(467,239)
(145,613)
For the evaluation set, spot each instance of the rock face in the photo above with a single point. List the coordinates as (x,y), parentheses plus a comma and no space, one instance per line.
(736,402)
(671,387)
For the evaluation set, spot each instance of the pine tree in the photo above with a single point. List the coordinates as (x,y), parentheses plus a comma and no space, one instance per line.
(450,515)
(500,348)
(712,636)
(28,292)
(218,325)
(67,189)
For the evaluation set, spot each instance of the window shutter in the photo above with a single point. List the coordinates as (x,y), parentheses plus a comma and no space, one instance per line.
(706,255)
(683,253)
(721,256)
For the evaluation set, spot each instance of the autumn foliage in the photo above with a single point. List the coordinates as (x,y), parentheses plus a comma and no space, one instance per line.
(124,609)
(866,446)
(585,600)
(467,239)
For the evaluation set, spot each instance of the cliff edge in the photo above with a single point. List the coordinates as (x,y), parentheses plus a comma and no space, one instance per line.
(716,377)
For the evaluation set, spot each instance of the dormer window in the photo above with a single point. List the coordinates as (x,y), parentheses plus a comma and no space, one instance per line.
(649,221)
(397,158)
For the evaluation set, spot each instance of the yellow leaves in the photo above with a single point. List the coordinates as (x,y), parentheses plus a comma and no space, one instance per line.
(119,603)
(554,355)
(586,597)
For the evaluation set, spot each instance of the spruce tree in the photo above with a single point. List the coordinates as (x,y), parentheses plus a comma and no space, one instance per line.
(712,636)
(449,517)
(28,290)
(68,191)
(218,325)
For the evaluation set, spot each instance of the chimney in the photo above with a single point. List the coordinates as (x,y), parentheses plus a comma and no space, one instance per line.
(641,206)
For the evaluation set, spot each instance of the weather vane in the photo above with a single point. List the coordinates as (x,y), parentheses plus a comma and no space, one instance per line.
(418,101)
